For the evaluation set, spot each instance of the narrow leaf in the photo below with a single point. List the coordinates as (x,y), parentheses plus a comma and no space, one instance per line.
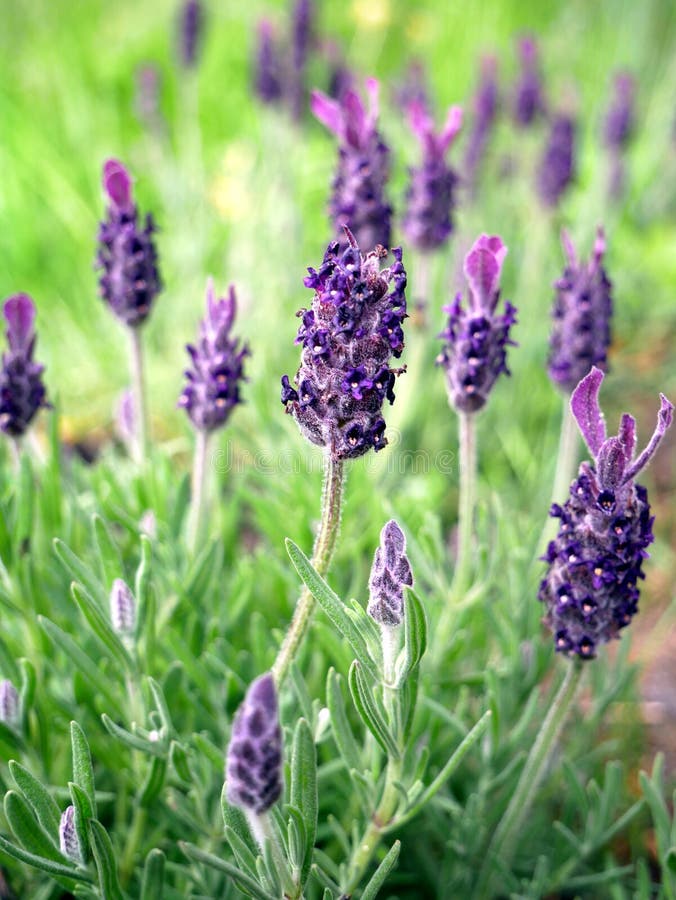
(101,627)
(152,886)
(83,771)
(110,559)
(247,883)
(43,805)
(26,829)
(57,869)
(134,741)
(304,788)
(104,858)
(342,731)
(370,710)
(379,876)
(81,572)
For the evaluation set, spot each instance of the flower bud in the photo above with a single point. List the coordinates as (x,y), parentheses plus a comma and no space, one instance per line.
(122,608)
(390,573)
(68,839)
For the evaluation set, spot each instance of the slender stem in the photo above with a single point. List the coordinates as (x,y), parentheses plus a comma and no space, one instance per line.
(467,449)
(507,833)
(197,500)
(325,543)
(564,472)
(138,391)
(15,445)
(134,838)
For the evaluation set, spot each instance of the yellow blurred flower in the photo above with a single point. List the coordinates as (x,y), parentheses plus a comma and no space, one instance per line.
(230,191)
(371,14)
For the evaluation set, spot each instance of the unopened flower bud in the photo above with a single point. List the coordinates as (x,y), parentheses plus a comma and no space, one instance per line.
(390,573)
(68,839)
(122,608)
(10,712)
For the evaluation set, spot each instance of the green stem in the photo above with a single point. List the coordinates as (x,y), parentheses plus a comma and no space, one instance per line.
(134,839)
(197,499)
(507,833)
(138,392)
(325,544)
(467,502)
(564,473)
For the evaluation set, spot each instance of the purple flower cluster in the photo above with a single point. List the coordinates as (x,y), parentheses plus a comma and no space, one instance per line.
(22,391)
(302,32)
(582,312)
(475,353)
(528,98)
(348,336)
(191,24)
(213,381)
(429,200)
(619,122)
(557,166)
(253,771)
(127,256)
(595,563)
(358,199)
(485,110)
(390,573)
(268,78)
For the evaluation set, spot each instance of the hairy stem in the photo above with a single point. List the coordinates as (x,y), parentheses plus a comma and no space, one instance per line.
(197,499)
(138,392)
(325,543)
(467,448)
(507,833)
(564,472)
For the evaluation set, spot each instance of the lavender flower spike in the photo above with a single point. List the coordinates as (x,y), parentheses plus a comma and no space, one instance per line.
(557,166)
(591,590)
(253,771)
(348,336)
(10,705)
(528,100)
(22,391)
(69,842)
(484,113)
(127,256)
(358,200)
(581,314)
(390,573)
(302,35)
(268,65)
(474,354)
(191,25)
(213,381)
(429,199)
(619,122)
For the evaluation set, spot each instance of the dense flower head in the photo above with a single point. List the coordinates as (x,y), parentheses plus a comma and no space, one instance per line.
(484,113)
(390,573)
(595,563)
(528,98)
(618,126)
(581,316)
(22,391)
(127,256)
(429,199)
(191,25)
(358,189)
(557,166)
(476,338)
(268,76)
(253,769)
(348,336)
(214,379)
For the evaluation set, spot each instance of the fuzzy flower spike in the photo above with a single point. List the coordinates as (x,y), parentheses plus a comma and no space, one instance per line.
(349,336)
(358,200)
(591,589)
(556,170)
(22,391)
(474,353)
(581,316)
(429,200)
(390,573)
(484,113)
(528,99)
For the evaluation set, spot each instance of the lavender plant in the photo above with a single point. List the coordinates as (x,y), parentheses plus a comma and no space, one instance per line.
(358,198)
(618,129)
(190,32)
(268,82)
(556,169)
(529,102)
(302,35)
(484,113)
(130,279)
(22,390)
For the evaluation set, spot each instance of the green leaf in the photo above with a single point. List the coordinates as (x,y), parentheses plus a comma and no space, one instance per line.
(157,772)
(161,705)
(26,829)
(203,569)
(27,687)
(415,637)
(142,580)
(102,628)
(43,805)
(83,813)
(57,869)
(81,573)
(110,559)
(370,710)
(234,818)
(152,886)
(303,794)
(245,882)
(179,760)
(242,851)
(342,731)
(135,741)
(334,608)
(83,771)
(379,876)
(104,858)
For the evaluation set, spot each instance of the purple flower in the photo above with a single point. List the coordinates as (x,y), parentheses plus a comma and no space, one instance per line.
(268,82)
(22,391)
(191,24)
(557,166)
(595,563)
(10,705)
(69,843)
(122,608)
(127,256)
(390,573)
(619,122)
(582,311)
(348,336)
(528,99)
(213,381)
(253,769)
(413,87)
(429,199)
(476,338)
(358,198)
(147,96)
(302,28)
(484,113)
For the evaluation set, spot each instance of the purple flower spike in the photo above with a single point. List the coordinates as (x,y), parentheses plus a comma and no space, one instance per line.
(358,199)
(595,563)
(302,34)
(429,199)
(191,25)
(127,256)
(619,123)
(484,113)
(557,166)
(22,391)
(475,354)
(213,388)
(528,101)
(253,770)
(581,316)
(390,573)
(349,336)
(268,68)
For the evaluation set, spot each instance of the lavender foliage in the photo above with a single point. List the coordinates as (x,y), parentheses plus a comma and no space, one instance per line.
(217,371)
(427,221)
(191,25)
(595,563)
(484,114)
(390,573)
(358,189)
(22,391)
(581,315)
(253,771)
(476,338)
(130,280)
(529,101)
(348,336)
(557,166)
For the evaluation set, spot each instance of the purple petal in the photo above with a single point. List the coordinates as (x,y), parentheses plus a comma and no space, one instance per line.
(420,120)
(451,128)
(483,265)
(355,120)
(19,312)
(117,183)
(627,435)
(373,92)
(664,419)
(568,248)
(611,463)
(328,112)
(584,404)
